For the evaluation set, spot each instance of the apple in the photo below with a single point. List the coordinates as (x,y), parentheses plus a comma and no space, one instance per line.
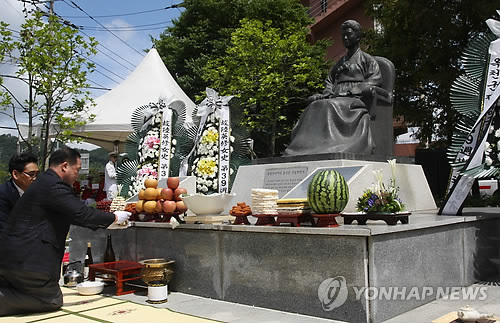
(169,207)
(159,206)
(173,182)
(178,192)
(167,194)
(180,207)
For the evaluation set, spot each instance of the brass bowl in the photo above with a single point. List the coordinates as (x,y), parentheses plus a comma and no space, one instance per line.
(157,270)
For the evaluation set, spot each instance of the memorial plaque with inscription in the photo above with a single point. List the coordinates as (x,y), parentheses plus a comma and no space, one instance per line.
(284,179)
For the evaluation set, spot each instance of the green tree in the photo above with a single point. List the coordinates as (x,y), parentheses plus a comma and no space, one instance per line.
(425,39)
(9,146)
(271,70)
(52,62)
(203,32)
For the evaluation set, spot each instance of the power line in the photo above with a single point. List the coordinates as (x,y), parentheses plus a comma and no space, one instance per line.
(131,29)
(100,87)
(125,60)
(316,9)
(101,51)
(13,8)
(106,76)
(101,66)
(130,14)
(128,27)
(79,8)
(88,36)
(13,30)
(114,59)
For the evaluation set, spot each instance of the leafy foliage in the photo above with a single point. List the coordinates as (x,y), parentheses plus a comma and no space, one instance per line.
(271,70)
(8,144)
(203,32)
(52,61)
(424,39)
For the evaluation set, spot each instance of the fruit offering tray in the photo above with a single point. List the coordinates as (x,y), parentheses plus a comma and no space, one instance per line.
(156,217)
(104,206)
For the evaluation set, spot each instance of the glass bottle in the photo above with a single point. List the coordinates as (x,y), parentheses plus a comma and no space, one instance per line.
(109,254)
(88,261)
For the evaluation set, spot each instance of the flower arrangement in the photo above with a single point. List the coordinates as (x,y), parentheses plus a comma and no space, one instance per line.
(378,198)
(144,145)
(205,165)
(148,155)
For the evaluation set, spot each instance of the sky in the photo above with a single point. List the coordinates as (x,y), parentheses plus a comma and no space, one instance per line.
(129,23)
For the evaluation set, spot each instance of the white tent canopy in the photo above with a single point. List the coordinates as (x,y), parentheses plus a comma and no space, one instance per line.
(149,82)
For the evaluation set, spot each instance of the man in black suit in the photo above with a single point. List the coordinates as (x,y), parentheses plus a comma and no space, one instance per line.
(23,171)
(32,246)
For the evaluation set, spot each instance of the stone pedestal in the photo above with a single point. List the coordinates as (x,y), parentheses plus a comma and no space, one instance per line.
(282,267)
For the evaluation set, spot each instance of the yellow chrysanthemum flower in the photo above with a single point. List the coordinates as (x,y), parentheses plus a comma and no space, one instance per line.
(210,136)
(206,166)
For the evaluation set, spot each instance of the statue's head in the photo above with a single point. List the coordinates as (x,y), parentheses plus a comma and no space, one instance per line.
(351,33)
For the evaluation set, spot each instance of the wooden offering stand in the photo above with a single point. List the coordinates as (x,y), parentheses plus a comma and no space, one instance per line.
(121,270)
(241,211)
(241,219)
(326,220)
(167,217)
(295,219)
(159,217)
(265,219)
(389,218)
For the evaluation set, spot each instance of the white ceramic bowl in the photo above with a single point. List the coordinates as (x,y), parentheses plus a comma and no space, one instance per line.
(90,287)
(212,204)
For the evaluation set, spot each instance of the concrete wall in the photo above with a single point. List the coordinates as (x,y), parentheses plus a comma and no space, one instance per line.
(282,267)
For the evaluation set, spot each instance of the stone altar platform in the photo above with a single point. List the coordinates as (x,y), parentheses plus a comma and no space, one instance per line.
(283,267)
(286,174)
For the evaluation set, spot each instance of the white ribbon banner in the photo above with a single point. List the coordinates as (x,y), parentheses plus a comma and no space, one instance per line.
(472,150)
(165,143)
(224,151)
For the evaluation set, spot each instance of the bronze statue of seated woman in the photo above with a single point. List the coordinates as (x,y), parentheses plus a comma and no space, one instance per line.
(338,120)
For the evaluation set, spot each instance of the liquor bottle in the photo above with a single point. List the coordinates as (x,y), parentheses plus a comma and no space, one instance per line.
(88,261)
(109,254)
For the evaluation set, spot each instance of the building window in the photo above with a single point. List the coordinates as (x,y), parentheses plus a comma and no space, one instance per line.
(324,4)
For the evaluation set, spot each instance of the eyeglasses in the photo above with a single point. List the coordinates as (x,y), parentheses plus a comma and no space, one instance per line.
(33,174)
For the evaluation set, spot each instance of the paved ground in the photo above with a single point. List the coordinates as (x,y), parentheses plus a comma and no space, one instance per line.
(237,313)
(223,311)
(433,310)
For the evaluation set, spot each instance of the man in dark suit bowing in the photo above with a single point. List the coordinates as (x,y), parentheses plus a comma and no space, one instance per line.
(32,246)
(23,171)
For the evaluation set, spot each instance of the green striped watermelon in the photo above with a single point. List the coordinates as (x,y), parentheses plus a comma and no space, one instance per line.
(328,192)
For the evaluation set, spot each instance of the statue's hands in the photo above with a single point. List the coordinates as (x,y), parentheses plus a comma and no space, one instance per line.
(346,94)
(315,97)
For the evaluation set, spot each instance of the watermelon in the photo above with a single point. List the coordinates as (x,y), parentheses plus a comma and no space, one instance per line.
(328,192)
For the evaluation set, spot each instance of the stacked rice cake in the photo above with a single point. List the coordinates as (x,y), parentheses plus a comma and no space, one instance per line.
(293,206)
(264,201)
